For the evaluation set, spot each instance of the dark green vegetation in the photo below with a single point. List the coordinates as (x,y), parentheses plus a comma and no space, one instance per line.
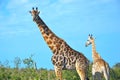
(30,72)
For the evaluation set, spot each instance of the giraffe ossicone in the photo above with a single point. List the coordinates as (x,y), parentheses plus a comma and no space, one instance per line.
(64,57)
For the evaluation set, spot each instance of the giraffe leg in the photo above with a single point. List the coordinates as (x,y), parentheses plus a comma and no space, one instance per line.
(81,73)
(58,73)
(98,74)
(93,77)
(106,75)
(93,73)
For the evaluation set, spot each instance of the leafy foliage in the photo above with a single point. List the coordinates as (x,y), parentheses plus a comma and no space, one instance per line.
(31,73)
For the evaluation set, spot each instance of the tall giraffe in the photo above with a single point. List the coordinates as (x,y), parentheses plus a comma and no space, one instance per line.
(99,65)
(64,57)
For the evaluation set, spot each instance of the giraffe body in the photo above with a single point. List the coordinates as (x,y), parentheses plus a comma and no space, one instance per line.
(64,57)
(99,66)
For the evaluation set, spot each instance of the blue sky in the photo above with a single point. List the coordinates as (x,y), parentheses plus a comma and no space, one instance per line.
(72,20)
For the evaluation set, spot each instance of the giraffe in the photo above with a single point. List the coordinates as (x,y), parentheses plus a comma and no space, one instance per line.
(99,66)
(64,57)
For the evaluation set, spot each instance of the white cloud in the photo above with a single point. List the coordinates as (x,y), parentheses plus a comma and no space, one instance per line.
(60,8)
(96,2)
(16,3)
(24,1)
(14,18)
(104,1)
(17,32)
(66,1)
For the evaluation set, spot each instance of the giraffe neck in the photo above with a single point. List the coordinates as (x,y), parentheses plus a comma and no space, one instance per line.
(95,55)
(50,38)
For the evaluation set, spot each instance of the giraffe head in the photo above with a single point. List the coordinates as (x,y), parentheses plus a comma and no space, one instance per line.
(90,40)
(35,13)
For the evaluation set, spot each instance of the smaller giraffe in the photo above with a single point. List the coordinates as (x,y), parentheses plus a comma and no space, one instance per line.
(99,65)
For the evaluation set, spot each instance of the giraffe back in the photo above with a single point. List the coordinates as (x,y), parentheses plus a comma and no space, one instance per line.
(67,57)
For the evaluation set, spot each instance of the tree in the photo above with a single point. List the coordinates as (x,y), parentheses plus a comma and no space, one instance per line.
(6,64)
(116,70)
(30,63)
(17,62)
(116,65)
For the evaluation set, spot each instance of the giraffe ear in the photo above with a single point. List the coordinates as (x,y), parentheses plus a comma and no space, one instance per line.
(89,35)
(30,12)
(95,37)
(38,12)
